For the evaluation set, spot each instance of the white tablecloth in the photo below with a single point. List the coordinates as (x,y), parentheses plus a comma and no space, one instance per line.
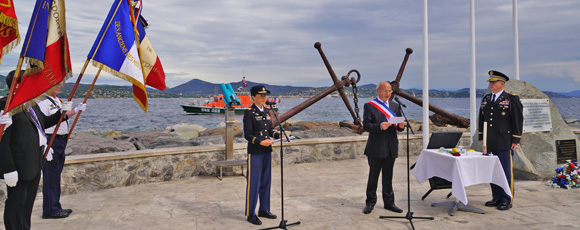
(462,171)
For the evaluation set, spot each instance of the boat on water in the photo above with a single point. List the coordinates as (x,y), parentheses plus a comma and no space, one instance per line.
(218,105)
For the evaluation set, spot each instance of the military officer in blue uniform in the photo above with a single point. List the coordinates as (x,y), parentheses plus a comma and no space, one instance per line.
(503,113)
(258,131)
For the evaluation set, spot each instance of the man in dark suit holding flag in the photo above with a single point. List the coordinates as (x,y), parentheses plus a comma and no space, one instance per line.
(382,146)
(21,156)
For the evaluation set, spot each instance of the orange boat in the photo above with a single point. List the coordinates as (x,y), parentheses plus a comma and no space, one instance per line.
(219,106)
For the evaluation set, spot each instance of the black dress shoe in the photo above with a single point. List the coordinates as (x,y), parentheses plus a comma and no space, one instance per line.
(504,206)
(59,214)
(393,208)
(368,209)
(254,220)
(492,203)
(267,214)
(68,211)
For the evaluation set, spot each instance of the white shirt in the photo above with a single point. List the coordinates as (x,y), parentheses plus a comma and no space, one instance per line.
(386,102)
(48,108)
(497,95)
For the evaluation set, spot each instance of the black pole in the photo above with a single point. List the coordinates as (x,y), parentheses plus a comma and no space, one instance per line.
(409,215)
(283,222)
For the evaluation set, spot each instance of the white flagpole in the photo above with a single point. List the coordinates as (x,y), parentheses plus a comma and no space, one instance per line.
(425,75)
(472,88)
(516,41)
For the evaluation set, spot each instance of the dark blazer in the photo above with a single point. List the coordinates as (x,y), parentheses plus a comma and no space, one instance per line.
(504,119)
(19,147)
(258,127)
(381,143)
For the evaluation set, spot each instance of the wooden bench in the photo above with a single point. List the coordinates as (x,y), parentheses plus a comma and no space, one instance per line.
(229,163)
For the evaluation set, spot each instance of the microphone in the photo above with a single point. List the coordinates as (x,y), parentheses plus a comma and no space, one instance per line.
(270,103)
(400,103)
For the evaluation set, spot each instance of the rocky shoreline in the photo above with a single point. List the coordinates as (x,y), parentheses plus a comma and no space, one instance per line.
(186,134)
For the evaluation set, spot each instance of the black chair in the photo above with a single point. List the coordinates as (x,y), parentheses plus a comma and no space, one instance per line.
(436,141)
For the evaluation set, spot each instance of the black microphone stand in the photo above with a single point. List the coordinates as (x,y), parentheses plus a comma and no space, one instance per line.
(409,215)
(283,222)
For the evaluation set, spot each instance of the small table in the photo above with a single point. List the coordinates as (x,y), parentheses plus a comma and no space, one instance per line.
(465,170)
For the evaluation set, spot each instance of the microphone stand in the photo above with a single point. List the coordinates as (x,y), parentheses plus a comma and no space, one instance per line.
(283,222)
(409,215)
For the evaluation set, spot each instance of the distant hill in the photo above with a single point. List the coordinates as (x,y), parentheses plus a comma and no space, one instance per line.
(200,88)
(575,93)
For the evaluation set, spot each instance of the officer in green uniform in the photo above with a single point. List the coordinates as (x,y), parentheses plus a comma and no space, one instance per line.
(503,113)
(258,130)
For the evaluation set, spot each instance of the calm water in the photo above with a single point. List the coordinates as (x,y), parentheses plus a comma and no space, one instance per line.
(125,114)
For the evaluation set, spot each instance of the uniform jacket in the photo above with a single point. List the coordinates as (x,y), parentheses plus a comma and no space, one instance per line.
(381,143)
(504,119)
(258,127)
(19,147)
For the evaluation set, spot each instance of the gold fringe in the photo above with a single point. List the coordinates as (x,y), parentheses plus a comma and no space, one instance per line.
(12,23)
(118,74)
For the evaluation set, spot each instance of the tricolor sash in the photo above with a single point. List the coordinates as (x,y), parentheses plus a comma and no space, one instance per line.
(383,108)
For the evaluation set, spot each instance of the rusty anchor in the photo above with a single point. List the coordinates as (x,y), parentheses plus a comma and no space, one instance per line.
(338,86)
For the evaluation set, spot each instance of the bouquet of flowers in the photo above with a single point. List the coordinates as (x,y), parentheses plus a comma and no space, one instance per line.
(566,176)
(453,151)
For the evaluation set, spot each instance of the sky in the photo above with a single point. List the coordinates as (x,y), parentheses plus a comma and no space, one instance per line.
(273,41)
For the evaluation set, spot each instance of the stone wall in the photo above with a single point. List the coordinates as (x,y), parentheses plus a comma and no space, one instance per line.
(84,173)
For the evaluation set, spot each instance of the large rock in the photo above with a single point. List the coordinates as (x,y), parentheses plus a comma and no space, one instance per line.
(81,143)
(324,132)
(141,139)
(185,130)
(207,140)
(536,156)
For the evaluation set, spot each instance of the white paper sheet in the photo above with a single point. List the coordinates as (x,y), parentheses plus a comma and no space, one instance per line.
(396,120)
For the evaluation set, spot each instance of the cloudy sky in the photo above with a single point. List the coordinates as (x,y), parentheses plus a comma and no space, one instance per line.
(272,41)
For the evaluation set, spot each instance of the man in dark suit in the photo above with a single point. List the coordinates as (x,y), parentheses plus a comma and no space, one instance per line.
(503,114)
(21,158)
(382,146)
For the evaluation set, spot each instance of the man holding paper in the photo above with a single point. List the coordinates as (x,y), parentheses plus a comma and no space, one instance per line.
(500,130)
(381,120)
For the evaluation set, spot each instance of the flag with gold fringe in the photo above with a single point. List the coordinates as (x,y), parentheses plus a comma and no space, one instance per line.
(10,37)
(115,49)
(47,52)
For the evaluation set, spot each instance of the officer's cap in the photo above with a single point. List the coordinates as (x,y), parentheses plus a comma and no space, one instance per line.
(497,76)
(259,89)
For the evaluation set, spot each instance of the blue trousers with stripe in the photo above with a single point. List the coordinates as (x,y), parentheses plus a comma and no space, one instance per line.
(51,178)
(259,182)
(505,157)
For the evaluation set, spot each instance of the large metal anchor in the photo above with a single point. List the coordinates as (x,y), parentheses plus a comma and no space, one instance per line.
(452,118)
(338,86)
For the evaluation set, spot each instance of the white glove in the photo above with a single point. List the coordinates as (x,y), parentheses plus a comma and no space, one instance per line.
(81,107)
(11,178)
(67,106)
(5,119)
(49,154)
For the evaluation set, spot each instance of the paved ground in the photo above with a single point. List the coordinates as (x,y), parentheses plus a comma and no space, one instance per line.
(323,195)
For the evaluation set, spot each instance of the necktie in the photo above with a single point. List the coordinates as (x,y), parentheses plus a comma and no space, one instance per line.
(493,98)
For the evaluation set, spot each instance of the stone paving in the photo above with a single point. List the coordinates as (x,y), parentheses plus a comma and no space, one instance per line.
(321,195)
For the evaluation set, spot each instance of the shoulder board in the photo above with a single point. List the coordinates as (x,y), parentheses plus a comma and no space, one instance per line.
(513,94)
(249,108)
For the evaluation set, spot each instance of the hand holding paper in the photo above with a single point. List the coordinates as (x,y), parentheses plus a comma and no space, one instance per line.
(396,120)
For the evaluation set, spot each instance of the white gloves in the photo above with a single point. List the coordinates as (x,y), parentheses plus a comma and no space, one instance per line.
(67,106)
(5,119)
(11,178)
(81,107)
(49,154)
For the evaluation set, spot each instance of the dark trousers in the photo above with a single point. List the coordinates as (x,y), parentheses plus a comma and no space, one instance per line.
(19,203)
(259,182)
(51,177)
(376,165)
(505,157)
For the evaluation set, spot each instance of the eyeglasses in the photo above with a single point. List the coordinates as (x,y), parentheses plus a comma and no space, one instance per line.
(386,91)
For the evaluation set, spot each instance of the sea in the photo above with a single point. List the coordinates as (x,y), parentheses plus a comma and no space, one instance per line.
(126,115)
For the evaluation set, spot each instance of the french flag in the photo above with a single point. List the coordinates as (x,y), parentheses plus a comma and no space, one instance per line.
(46,50)
(115,49)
